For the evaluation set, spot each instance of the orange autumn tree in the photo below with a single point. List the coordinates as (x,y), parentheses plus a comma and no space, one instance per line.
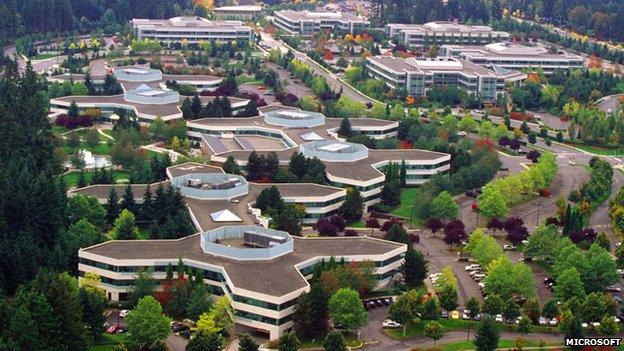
(409,100)
(594,62)
(207,4)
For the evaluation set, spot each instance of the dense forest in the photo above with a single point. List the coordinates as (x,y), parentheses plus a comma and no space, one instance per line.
(594,17)
(19,18)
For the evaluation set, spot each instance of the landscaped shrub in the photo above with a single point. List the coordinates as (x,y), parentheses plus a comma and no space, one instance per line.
(74,122)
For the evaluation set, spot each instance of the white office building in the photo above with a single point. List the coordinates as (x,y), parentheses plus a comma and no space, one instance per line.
(190,28)
(306,23)
(417,76)
(514,57)
(442,33)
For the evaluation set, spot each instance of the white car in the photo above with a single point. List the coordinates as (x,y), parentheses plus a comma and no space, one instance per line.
(543,321)
(473,273)
(434,277)
(508,247)
(616,319)
(479,277)
(553,322)
(124,313)
(620,271)
(473,267)
(462,134)
(388,323)
(498,318)
(466,314)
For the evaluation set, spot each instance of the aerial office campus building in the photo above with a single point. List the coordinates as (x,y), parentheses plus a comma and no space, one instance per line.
(306,23)
(513,57)
(441,33)
(261,270)
(417,76)
(241,12)
(285,131)
(144,93)
(191,29)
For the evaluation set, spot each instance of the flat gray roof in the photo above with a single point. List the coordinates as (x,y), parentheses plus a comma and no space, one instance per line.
(314,16)
(153,110)
(276,277)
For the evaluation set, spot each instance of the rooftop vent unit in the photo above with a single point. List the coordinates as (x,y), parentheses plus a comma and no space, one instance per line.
(194,183)
(264,240)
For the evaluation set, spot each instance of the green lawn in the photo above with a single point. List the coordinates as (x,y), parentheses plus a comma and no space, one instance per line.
(603,151)
(56,129)
(503,344)
(43,56)
(417,330)
(407,200)
(350,340)
(71,178)
(107,342)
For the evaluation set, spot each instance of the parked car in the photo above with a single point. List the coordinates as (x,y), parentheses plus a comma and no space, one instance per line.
(474,272)
(124,313)
(553,322)
(434,276)
(548,280)
(614,289)
(620,271)
(508,247)
(379,302)
(444,314)
(455,315)
(390,324)
(477,317)
(473,267)
(543,321)
(387,301)
(462,134)
(498,318)
(466,314)
(479,277)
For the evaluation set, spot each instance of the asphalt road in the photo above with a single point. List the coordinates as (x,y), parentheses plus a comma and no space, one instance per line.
(334,82)
(609,103)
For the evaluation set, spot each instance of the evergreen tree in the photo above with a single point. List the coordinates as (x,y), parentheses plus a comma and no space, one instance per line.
(255,166)
(112,206)
(298,165)
(334,342)
(230,166)
(250,109)
(352,208)
(205,341)
(147,205)
(127,200)
(124,227)
(73,111)
(247,343)
(196,107)
(310,314)
(345,129)
(414,267)
(272,165)
(391,193)
(288,342)
(142,285)
(82,180)
(487,335)
(403,174)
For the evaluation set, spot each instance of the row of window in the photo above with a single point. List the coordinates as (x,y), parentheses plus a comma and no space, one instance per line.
(208,274)
(263,319)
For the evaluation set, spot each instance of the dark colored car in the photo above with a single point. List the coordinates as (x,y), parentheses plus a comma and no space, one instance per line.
(379,302)
(388,301)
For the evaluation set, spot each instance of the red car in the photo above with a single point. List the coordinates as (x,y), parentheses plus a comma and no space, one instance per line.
(113,329)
